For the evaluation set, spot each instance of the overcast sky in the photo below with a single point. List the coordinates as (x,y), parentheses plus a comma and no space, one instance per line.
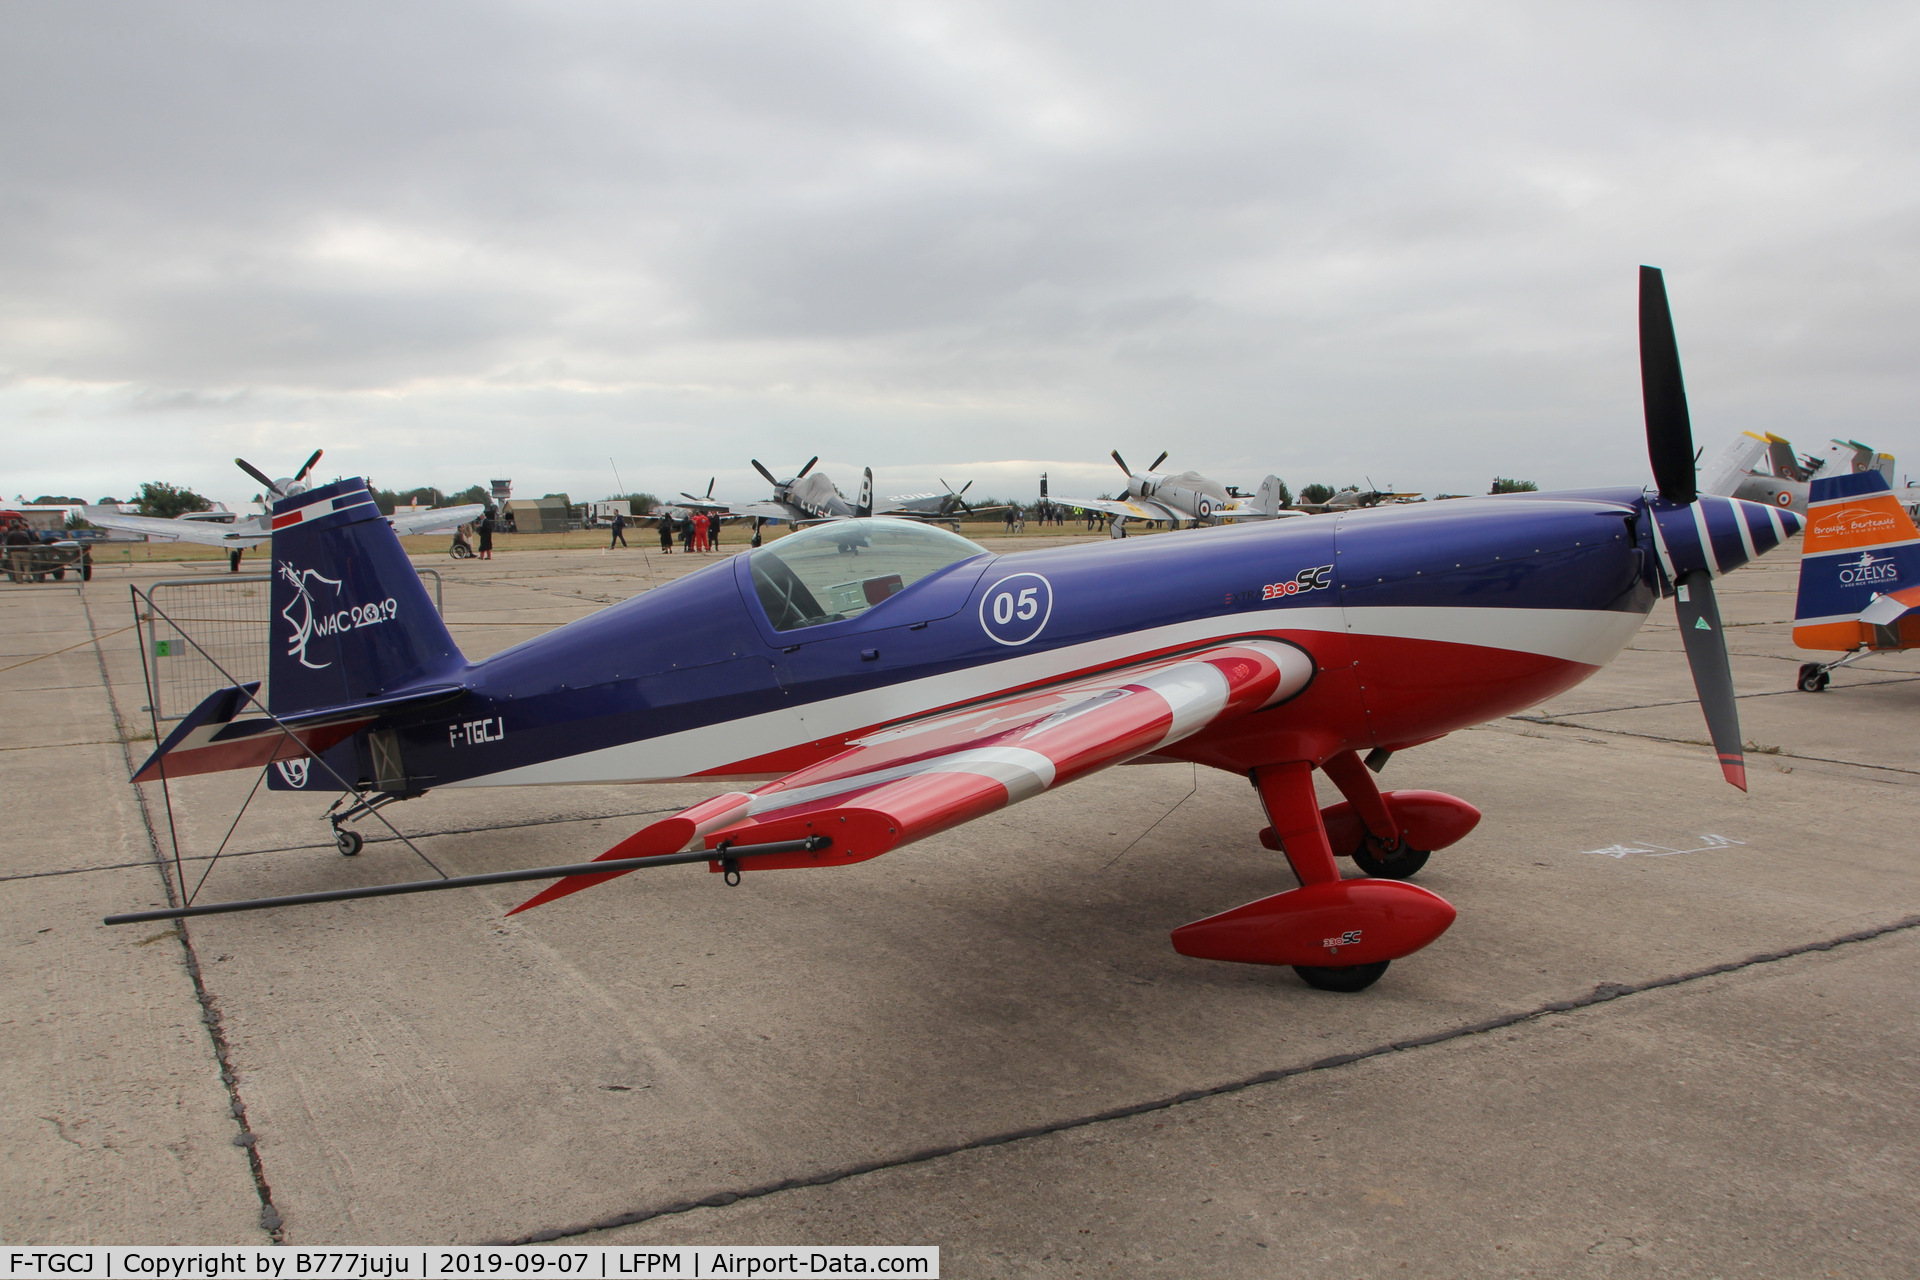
(448,243)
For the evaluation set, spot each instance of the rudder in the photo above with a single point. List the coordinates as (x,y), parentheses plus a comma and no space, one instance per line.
(1860,544)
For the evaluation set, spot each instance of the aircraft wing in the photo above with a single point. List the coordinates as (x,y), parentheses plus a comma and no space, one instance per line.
(438,520)
(246,533)
(1126,508)
(911,780)
(764,511)
(1244,510)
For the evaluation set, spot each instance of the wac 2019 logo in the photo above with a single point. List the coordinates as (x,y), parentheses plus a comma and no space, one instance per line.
(308,620)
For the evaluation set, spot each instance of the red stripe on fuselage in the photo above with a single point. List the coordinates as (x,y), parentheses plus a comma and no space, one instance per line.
(1369,691)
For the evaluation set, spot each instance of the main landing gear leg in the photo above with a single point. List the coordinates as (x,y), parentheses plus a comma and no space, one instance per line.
(1339,935)
(1287,792)
(1384,851)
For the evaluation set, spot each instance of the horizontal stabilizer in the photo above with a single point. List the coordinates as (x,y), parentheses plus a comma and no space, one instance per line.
(213,739)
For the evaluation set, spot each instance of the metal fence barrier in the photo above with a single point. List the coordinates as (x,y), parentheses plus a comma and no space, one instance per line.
(228,620)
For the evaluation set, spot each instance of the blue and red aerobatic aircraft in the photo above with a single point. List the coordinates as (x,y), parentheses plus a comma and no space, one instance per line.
(867,683)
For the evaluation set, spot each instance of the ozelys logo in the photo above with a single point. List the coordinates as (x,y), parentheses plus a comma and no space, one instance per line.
(1015,609)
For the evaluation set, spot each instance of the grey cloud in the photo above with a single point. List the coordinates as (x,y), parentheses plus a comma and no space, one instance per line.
(1307,238)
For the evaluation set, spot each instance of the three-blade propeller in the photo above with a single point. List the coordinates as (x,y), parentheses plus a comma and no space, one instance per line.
(1670,449)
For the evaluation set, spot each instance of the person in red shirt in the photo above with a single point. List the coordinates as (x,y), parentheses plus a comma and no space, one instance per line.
(699,531)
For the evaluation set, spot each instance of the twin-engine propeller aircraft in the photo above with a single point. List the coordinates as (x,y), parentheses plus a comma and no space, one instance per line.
(1177,496)
(1859,574)
(236,536)
(869,683)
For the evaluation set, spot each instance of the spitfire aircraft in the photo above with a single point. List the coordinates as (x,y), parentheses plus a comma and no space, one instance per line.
(1182,495)
(859,685)
(235,536)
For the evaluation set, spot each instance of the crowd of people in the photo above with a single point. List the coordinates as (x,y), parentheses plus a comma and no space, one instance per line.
(697,531)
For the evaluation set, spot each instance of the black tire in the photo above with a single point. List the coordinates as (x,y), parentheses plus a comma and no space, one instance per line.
(348,842)
(1344,978)
(1401,864)
(86,571)
(60,575)
(1812,678)
(461,552)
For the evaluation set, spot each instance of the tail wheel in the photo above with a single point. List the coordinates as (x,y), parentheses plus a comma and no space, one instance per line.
(1345,978)
(348,842)
(1384,864)
(1812,678)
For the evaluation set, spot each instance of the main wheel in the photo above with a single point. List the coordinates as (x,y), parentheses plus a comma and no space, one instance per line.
(1812,678)
(1349,978)
(1400,864)
(348,842)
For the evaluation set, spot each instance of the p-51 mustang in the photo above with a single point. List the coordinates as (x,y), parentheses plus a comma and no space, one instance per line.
(882,681)
(1181,495)
(236,536)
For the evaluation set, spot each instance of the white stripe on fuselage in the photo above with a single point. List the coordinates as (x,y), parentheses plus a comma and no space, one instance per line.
(1589,636)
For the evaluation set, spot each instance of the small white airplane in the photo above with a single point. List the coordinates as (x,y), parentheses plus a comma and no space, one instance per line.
(1177,496)
(224,529)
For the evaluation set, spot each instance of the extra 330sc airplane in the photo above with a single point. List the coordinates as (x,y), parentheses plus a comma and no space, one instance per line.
(882,680)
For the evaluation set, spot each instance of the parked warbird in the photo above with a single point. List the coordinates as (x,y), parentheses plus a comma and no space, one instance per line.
(235,536)
(1180,495)
(1733,472)
(872,682)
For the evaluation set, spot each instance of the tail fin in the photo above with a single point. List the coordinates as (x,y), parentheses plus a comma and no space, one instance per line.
(1786,466)
(351,618)
(1861,545)
(1266,499)
(864,507)
(1724,474)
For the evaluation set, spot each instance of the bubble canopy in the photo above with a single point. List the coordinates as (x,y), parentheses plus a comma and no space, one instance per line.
(835,571)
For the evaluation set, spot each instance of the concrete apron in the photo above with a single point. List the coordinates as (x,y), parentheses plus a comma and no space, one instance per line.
(425,1069)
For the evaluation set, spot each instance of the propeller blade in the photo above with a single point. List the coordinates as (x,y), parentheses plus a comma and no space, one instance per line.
(763,471)
(300,476)
(944,484)
(1123,464)
(963,488)
(259,475)
(1669,433)
(710,480)
(691,497)
(1712,677)
(810,461)
(1157,461)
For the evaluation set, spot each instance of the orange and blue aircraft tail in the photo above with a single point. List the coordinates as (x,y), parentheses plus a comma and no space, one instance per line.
(1859,568)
